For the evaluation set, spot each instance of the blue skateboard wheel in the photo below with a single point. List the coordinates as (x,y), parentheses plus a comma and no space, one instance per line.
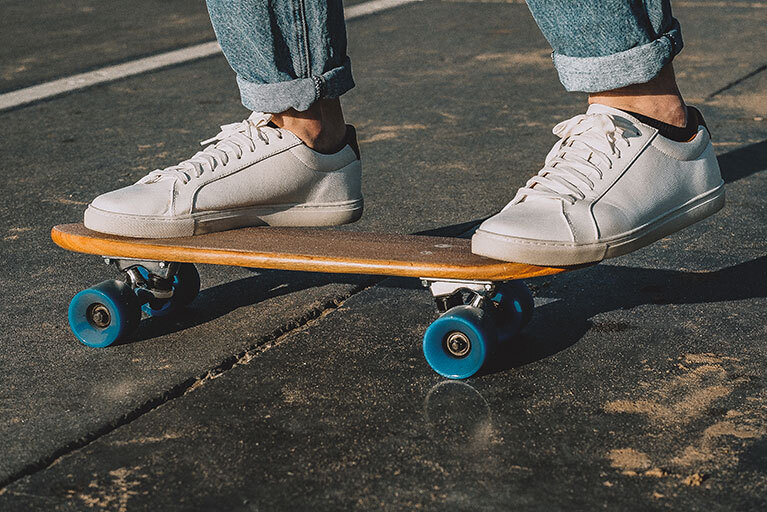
(508,313)
(457,344)
(515,304)
(186,286)
(106,313)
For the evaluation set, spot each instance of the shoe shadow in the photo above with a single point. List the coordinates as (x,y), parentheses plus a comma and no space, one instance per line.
(603,288)
(743,162)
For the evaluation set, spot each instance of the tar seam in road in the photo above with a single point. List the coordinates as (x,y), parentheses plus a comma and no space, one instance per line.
(263,344)
(739,80)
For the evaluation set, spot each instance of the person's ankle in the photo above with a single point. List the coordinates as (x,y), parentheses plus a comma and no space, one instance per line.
(321,127)
(667,111)
(659,99)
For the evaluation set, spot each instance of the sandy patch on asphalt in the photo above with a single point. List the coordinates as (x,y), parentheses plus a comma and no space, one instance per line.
(507,60)
(691,435)
(392,132)
(682,399)
(113,494)
(629,459)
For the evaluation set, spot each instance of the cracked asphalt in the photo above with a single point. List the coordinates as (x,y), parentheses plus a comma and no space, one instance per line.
(639,384)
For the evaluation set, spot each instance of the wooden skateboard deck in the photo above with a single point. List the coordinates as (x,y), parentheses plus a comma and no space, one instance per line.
(306,249)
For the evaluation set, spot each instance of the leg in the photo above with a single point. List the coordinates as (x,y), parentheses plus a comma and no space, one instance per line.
(620,52)
(321,126)
(294,66)
(293,162)
(636,167)
(659,98)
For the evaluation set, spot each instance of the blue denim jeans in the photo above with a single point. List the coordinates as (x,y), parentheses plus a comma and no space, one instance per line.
(290,53)
(601,45)
(286,53)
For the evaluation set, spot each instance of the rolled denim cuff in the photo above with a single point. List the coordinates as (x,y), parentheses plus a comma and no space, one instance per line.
(299,94)
(634,66)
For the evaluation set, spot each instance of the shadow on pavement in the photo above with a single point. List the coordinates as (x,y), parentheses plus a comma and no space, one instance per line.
(220,300)
(743,162)
(562,323)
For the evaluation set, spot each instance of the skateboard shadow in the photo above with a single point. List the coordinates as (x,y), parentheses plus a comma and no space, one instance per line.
(220,300)
(581,296)
(217,301)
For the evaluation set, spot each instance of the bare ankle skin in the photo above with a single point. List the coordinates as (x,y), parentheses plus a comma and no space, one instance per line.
(321,127)
(659,98)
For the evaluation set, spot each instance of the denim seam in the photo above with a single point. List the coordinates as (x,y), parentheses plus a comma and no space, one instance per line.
(297,39)
(319,86)
(304,39)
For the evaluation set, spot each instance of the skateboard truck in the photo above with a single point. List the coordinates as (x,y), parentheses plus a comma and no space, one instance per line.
(160,287)
(111,310)
(450,293)
(477,317)
(149,279)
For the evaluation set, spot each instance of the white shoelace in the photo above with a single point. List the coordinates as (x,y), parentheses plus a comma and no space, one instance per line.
(231,142)
(576,162)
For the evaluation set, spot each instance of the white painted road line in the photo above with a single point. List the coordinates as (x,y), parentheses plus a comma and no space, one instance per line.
(373,6)
(107,74)
(135,67)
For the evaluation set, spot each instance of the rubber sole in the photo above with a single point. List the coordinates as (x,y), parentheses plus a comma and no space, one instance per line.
(546,253)
(296,215)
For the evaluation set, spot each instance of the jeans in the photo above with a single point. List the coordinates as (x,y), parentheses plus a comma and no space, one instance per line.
(291,53)
(286,53)
(601,45)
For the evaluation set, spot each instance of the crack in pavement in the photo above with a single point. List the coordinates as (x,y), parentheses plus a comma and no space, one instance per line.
(264,343)
(245,356)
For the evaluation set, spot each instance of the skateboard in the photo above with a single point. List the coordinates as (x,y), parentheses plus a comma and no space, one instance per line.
(482,302)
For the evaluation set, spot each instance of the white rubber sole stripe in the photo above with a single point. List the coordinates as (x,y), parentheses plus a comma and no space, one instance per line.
(135,67)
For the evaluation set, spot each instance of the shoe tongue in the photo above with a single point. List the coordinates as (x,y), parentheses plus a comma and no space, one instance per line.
(256,117)
(596,108)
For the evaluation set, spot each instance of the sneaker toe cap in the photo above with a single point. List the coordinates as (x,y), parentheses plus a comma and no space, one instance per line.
(538,220)
(139,199)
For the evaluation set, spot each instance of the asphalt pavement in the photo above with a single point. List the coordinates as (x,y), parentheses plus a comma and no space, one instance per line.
(639,384)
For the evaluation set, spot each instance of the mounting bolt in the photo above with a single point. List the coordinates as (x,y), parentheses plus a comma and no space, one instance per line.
(98,315)
(458,344)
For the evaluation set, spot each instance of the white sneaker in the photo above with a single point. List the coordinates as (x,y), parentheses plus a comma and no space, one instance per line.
(610,186)
(252,174)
